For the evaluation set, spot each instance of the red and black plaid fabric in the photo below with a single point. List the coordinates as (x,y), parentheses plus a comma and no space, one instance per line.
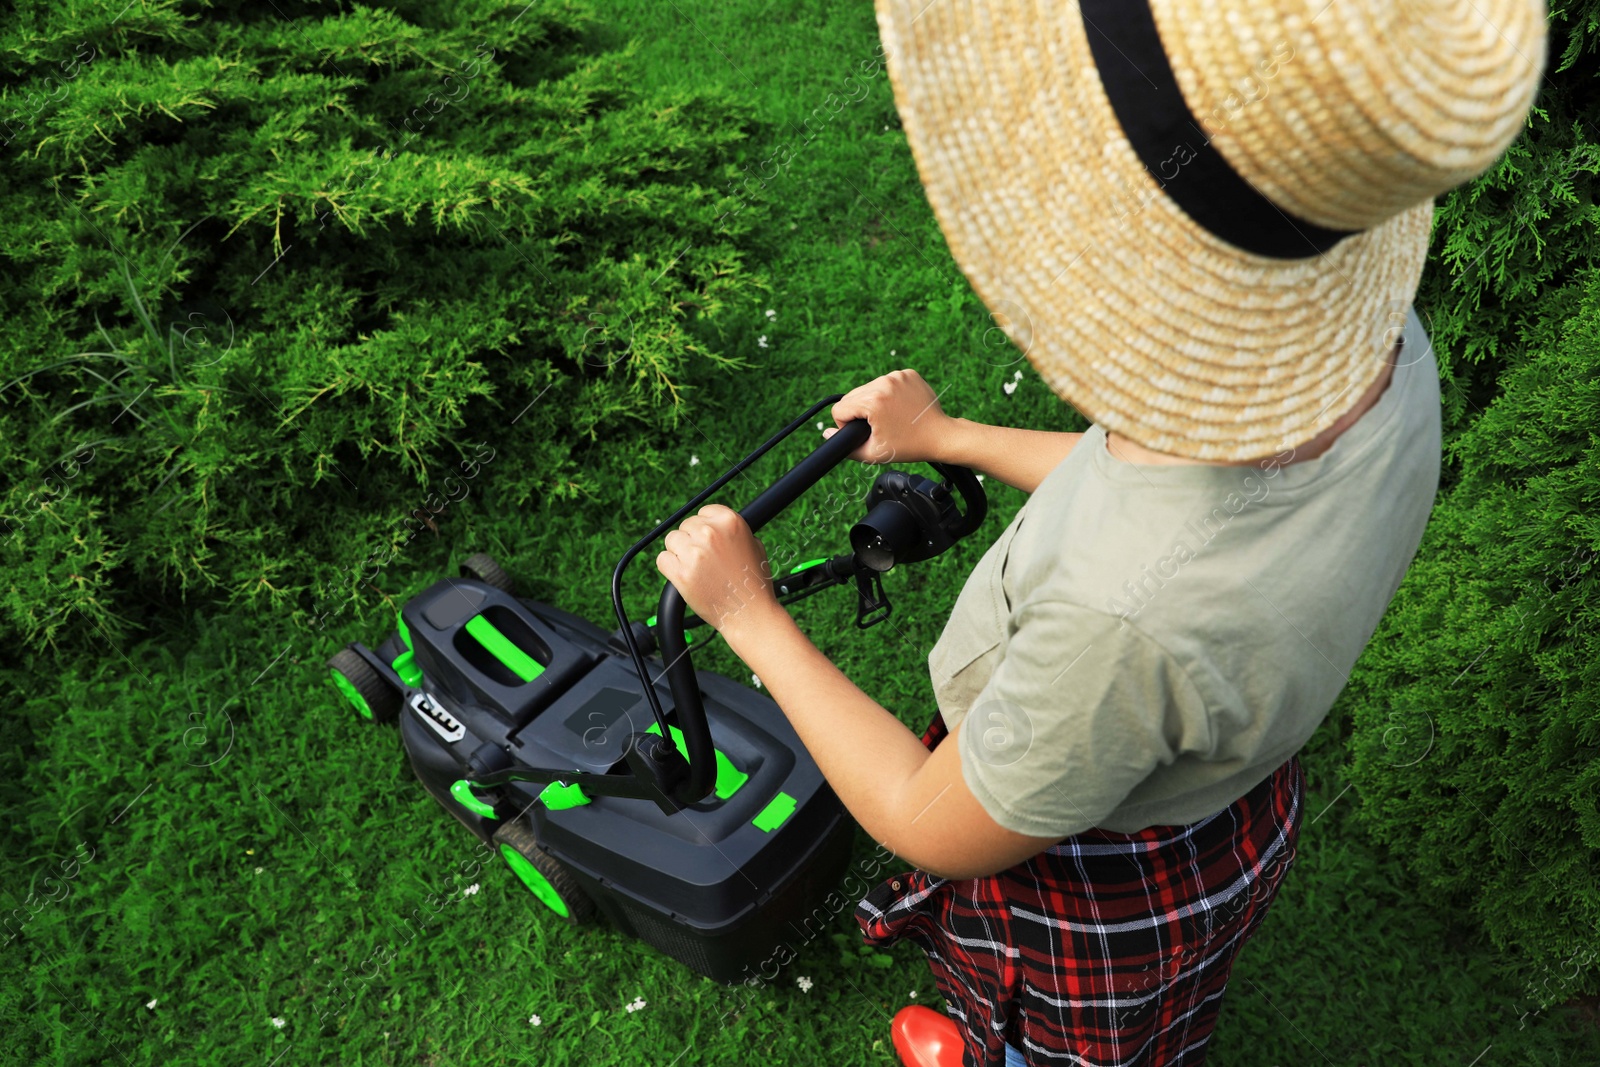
(1107,950)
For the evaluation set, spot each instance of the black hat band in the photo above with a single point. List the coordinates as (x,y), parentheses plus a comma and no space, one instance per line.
(1144,94)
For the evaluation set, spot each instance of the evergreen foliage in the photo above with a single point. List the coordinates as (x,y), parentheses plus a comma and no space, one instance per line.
(1476,707)
(270,279)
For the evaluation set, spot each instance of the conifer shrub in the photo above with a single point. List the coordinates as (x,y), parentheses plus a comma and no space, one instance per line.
(280,280)
(1476,707)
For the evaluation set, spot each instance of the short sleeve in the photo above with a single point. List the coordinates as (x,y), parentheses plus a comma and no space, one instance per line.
(1079,711)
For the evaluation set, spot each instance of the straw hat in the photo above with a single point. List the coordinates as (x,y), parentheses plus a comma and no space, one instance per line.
(1207,241)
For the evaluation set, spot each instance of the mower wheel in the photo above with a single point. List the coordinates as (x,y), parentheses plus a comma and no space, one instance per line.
(550,881)
(487,570)
(372,697)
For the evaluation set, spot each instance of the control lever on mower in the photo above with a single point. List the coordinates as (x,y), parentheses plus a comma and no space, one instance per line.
(872,603)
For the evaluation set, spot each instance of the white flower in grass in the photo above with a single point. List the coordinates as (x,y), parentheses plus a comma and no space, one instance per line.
(260,869)
(819,425)
(1017,376)
(534,1020)
(756,680)
(771,314)
(1010,387)
(694,461)
(762,340)
(891,351)
(471,889)
(152,1004)
(279,1023)
(637,1005)
(804,983)
(913,994)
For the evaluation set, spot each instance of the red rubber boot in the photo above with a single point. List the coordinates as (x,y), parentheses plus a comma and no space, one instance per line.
(926,1038)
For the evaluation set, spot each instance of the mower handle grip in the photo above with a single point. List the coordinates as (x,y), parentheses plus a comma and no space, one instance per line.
(670,611)
(803,475)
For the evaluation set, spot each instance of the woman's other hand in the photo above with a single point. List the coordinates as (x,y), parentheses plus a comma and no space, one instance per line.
(719,567)
(908,426)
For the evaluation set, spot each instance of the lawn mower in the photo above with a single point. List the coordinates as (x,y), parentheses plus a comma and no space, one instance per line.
(678,803)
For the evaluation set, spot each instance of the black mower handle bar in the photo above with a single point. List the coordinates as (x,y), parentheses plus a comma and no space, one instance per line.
(669,613)
(772,501)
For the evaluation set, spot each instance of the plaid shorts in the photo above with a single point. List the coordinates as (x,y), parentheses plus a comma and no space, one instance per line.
(1108,949)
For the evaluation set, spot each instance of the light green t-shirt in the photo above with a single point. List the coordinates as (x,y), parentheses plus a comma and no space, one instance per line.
(1144,644)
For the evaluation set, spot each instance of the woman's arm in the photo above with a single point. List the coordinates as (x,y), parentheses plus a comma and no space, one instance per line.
(1020,458)
(913,802)
(909,426)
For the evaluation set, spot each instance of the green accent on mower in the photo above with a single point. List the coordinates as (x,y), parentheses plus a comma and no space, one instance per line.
(503,649)
(464,795)
(351,694)
(559,796)
(774,814)
(729,777)
(535,881)
(688,635)
(798,567)
(405,665)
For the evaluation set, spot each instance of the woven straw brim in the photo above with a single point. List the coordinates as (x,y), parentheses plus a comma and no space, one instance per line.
(1129,311)
(1347,112)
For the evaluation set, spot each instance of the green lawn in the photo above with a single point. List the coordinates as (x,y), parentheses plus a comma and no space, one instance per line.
(255,847)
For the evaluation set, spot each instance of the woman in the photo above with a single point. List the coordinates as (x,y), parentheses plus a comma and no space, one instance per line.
(1203,226)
